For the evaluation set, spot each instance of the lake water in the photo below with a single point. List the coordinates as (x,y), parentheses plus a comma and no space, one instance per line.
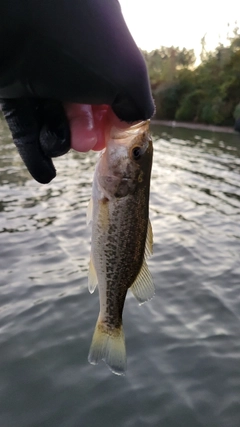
(183,347)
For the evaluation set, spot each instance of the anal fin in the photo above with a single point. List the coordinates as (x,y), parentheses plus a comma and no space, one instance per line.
(143,288)
(149,241)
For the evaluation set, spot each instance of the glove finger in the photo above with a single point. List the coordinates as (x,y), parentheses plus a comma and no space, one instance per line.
(24,123)
(55,137)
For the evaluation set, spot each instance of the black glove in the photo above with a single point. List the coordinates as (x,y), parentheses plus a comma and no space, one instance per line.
(65,50)
(40,131)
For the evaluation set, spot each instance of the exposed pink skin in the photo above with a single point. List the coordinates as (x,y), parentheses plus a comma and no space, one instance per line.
(90,125)
(82,127)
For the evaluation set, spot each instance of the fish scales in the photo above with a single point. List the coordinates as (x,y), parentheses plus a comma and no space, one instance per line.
(120,224)
(121,242)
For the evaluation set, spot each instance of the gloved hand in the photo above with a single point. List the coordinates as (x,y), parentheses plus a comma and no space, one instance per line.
(40,131)
(60,52)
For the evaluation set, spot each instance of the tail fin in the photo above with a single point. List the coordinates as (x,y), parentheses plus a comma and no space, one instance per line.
(108,345)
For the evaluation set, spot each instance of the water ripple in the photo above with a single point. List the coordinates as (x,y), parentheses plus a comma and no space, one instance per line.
(183,346)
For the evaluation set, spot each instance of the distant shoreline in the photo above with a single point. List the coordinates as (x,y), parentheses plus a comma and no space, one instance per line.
(210,128)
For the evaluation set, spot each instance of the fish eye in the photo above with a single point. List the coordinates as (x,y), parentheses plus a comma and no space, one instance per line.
(136,152)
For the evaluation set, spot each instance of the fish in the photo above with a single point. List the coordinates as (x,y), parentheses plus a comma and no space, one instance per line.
(121,238)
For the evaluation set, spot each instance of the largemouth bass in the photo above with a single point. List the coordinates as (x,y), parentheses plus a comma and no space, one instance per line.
(121,237)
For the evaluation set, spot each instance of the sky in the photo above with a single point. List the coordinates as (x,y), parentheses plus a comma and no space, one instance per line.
(155,23)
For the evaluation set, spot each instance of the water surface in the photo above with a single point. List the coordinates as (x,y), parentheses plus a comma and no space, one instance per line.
(183,346)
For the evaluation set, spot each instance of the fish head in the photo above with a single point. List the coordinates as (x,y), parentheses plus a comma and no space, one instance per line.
(126,162)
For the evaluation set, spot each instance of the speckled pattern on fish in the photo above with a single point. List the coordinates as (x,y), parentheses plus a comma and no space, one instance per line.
(120,232)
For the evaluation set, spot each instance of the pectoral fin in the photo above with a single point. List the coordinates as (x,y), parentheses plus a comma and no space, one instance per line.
(89,211)
(143,288)
(149,241)
(92,277)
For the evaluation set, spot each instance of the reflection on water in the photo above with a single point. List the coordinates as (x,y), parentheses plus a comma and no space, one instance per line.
(183,346)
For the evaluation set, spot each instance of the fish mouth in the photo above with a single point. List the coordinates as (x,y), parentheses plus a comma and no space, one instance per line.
(130,131)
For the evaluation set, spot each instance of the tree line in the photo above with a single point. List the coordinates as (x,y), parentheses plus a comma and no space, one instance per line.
(208,93)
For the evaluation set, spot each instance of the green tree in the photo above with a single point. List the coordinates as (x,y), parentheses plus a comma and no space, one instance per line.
(208,93)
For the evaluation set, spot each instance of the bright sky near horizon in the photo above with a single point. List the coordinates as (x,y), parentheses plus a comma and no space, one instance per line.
(155,23)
